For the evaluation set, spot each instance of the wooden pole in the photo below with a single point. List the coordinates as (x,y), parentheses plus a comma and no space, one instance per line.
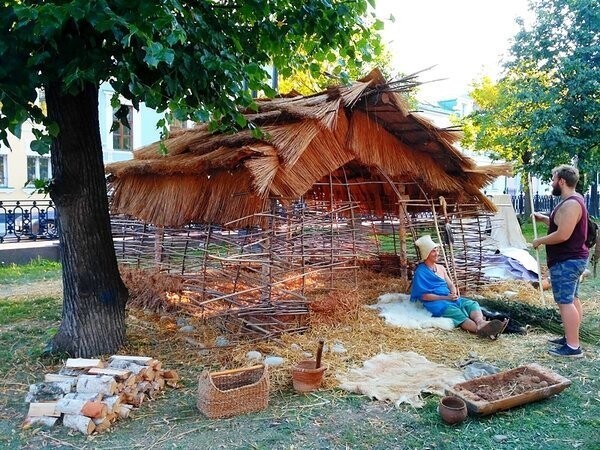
(448,231)
(537,251)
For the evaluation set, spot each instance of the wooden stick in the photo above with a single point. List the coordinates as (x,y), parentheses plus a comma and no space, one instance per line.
(450,244)
(537,252)
(232,371)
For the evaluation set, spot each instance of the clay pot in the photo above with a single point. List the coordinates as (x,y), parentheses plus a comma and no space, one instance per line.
(306,377)
(452,409)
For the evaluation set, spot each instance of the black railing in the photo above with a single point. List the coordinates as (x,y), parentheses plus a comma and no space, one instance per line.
(22,219)
(546,203)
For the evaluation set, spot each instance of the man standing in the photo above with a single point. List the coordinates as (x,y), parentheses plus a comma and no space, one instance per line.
(567,255)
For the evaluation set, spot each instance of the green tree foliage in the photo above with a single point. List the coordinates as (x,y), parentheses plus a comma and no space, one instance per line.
(199,60)
(563,45)
(306,82)
(546,109)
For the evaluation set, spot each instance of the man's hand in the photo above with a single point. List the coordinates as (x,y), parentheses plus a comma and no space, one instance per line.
(536,243)
(453,297)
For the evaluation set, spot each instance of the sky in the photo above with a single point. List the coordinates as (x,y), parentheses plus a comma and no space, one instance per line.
(464,39)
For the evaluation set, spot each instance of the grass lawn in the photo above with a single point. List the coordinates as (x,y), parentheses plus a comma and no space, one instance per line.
(327,419)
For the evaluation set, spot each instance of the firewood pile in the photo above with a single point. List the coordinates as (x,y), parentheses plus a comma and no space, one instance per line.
(89,395)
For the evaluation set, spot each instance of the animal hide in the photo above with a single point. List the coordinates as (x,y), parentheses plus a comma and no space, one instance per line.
(400,377)
(399,311)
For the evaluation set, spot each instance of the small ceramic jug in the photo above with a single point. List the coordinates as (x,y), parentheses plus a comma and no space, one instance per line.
(452,409)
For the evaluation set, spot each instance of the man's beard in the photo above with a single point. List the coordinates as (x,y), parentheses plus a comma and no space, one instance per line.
(556,190)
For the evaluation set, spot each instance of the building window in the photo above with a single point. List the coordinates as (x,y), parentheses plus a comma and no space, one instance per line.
(123,135)
(176,124)
(38,168)
(3,171)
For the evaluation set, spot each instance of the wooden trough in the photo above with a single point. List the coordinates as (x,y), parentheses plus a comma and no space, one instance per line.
(525,384)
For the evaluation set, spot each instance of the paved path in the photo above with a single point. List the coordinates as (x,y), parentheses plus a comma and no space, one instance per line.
(46,288)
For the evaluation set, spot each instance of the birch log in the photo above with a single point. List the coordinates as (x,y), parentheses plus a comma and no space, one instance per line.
(141,360)
(125,410)
(82,407)
(42,392)
(103,384)
(85,396)
(83,363)
(44,421)
(43,409)
(119,374)
(112,403)
(82,424)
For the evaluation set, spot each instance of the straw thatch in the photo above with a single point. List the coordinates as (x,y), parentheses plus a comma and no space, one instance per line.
(355,143)
(247,226)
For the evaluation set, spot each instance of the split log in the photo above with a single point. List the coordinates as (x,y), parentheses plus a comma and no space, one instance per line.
(43,421)
(128,365)
(102,424)
(72,372)
(149,374)
(170,374)
(57,377)
(103,384)
(125,410)
(171,378)
(112,403)
(172,383)
(119,374)
(82,407)
(158,384)
(85,396)
(147,388)
(82,424)
(133,379)
(138,399)
(43,409)
(140,360)
(155,364)
(46,392)
(83,363)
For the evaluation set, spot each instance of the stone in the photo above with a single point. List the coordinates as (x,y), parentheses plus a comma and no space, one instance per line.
(274,361)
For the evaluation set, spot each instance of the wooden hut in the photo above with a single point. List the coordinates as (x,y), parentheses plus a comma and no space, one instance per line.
(343,178)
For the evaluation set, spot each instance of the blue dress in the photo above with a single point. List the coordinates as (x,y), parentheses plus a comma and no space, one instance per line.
(427,282)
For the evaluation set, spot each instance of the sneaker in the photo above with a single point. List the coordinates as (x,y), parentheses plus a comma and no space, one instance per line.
(559,341)
(566,352)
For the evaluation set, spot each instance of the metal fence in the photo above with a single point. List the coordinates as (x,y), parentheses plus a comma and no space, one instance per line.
(25,220)
(546,203)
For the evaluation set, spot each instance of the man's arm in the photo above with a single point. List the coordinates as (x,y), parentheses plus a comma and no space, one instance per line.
(541,218)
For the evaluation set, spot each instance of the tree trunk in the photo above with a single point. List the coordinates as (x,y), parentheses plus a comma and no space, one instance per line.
(594,196)
(93,317)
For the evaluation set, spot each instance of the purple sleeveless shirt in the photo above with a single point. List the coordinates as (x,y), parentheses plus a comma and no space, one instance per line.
(574,247)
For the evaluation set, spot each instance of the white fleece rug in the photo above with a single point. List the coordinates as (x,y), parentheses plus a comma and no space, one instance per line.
(400,377)
(399,311)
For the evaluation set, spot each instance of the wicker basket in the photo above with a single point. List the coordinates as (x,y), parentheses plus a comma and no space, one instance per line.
(233,392)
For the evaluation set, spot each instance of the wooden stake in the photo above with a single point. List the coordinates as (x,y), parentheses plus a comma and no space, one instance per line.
(537,251)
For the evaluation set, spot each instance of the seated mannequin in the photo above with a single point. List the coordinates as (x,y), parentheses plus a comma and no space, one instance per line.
(433,287)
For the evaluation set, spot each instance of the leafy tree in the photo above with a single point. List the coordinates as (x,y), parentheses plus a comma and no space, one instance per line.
(500,125)
(552,90)
(563,45)
(197,59)
(307,82)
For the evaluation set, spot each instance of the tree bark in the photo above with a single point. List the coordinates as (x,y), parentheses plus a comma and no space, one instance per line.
(93,316)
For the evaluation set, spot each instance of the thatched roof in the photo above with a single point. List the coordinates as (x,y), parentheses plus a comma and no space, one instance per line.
(347,141)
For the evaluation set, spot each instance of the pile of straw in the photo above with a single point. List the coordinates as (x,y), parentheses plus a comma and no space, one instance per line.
(338,317)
